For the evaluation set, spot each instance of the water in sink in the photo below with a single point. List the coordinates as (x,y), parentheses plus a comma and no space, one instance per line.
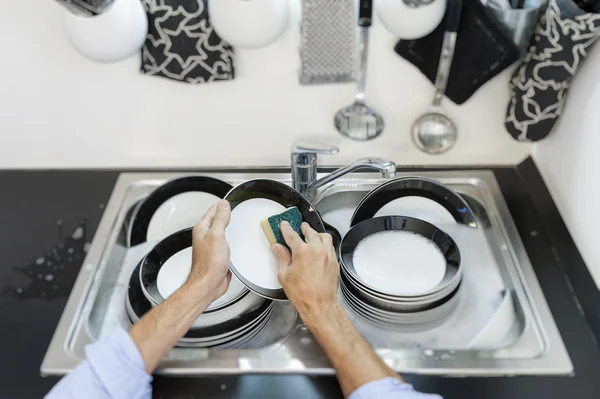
(340,219)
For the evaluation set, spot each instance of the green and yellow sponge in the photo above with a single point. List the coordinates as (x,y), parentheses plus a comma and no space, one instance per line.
(271,225)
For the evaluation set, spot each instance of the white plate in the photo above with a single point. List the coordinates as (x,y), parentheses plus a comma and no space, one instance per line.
(399,262)
(498,327)
(250,250)
(176,271)
(231,334)
(419,208)
(249,23)
(179,212)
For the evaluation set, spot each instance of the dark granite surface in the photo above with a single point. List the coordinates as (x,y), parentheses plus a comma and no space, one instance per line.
(47,217)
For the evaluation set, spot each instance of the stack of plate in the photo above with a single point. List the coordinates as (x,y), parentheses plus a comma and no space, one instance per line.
(377,300)
(167,216)
(229,326)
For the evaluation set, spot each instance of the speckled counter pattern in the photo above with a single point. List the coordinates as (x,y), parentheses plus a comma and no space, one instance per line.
(47,220)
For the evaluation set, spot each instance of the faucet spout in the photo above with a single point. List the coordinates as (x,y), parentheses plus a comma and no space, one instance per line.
(387,169)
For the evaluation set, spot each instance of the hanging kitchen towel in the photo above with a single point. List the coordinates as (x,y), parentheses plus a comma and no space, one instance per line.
(539,86)
(483,50)
(182,44)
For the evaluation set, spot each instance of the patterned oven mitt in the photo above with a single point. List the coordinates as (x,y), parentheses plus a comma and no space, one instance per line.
(539,86)
(182,44)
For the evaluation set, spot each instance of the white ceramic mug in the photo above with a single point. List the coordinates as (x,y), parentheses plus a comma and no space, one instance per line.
(408,22)
(116,34)
(249,23)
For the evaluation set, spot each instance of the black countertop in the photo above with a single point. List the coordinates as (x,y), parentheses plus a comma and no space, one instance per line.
(47,217)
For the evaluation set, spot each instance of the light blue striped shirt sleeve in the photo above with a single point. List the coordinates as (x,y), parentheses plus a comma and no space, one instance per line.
(389,388)
(113,368)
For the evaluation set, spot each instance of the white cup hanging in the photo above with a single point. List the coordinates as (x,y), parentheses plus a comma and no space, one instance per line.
(249,23)
(410,19)
(115,34)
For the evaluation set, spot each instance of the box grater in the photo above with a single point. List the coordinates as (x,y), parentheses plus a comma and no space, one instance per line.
(328,41)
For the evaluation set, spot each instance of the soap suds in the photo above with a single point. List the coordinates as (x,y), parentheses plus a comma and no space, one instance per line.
(399,262)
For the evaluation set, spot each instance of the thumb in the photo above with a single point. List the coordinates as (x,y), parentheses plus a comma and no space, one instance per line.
(222,216)
(284,257)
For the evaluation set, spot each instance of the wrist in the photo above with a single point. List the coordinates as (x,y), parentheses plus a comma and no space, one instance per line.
(199,292)
(322,315)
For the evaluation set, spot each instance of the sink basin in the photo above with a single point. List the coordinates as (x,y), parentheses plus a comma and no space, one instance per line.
(497,265)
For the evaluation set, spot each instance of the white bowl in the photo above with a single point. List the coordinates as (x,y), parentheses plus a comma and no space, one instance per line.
(407,22)
(116,34)
(249,23)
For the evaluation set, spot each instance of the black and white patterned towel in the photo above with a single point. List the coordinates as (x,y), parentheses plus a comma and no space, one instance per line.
(182,44)
(539,86)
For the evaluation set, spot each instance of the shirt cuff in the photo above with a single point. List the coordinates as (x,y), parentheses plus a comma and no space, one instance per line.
(389,388)
(118,364)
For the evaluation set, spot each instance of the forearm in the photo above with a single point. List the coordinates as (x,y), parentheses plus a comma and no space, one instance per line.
(158,331)
(353,358)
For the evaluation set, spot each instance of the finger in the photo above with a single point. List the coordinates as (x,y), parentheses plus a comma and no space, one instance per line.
(222,217)
(312,237)
(204,224)
(284,257)
(326,239)
(333,253)
(292,239)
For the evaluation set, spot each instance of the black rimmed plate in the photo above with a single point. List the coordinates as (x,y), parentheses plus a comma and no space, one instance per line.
(147,209)
(423,320)
(443,241)
(283,195)
(242,313)
(163,251)
(417,187)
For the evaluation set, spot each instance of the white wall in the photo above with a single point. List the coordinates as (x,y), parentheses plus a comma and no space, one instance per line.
(569,162)
(61,110)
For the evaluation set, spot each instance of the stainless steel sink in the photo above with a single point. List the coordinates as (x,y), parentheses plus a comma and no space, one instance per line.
(285,346)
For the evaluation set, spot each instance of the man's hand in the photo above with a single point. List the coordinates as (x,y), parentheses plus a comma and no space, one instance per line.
(158,331)
(211,253)
(310,277)
(310,274)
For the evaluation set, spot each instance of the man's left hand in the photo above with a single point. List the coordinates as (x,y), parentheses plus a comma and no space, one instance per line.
(211,253)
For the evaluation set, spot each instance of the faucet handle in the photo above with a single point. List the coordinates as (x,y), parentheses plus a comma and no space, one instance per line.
(305,147)
(304,162)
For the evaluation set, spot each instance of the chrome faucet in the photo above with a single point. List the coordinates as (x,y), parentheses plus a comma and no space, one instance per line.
(304,166)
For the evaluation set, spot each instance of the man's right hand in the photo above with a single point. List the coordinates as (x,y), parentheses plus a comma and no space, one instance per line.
(310,274)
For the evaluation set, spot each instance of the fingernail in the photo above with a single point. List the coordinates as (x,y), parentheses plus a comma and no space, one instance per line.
(305,224)
(274,250)
(285,224)
(223,204)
